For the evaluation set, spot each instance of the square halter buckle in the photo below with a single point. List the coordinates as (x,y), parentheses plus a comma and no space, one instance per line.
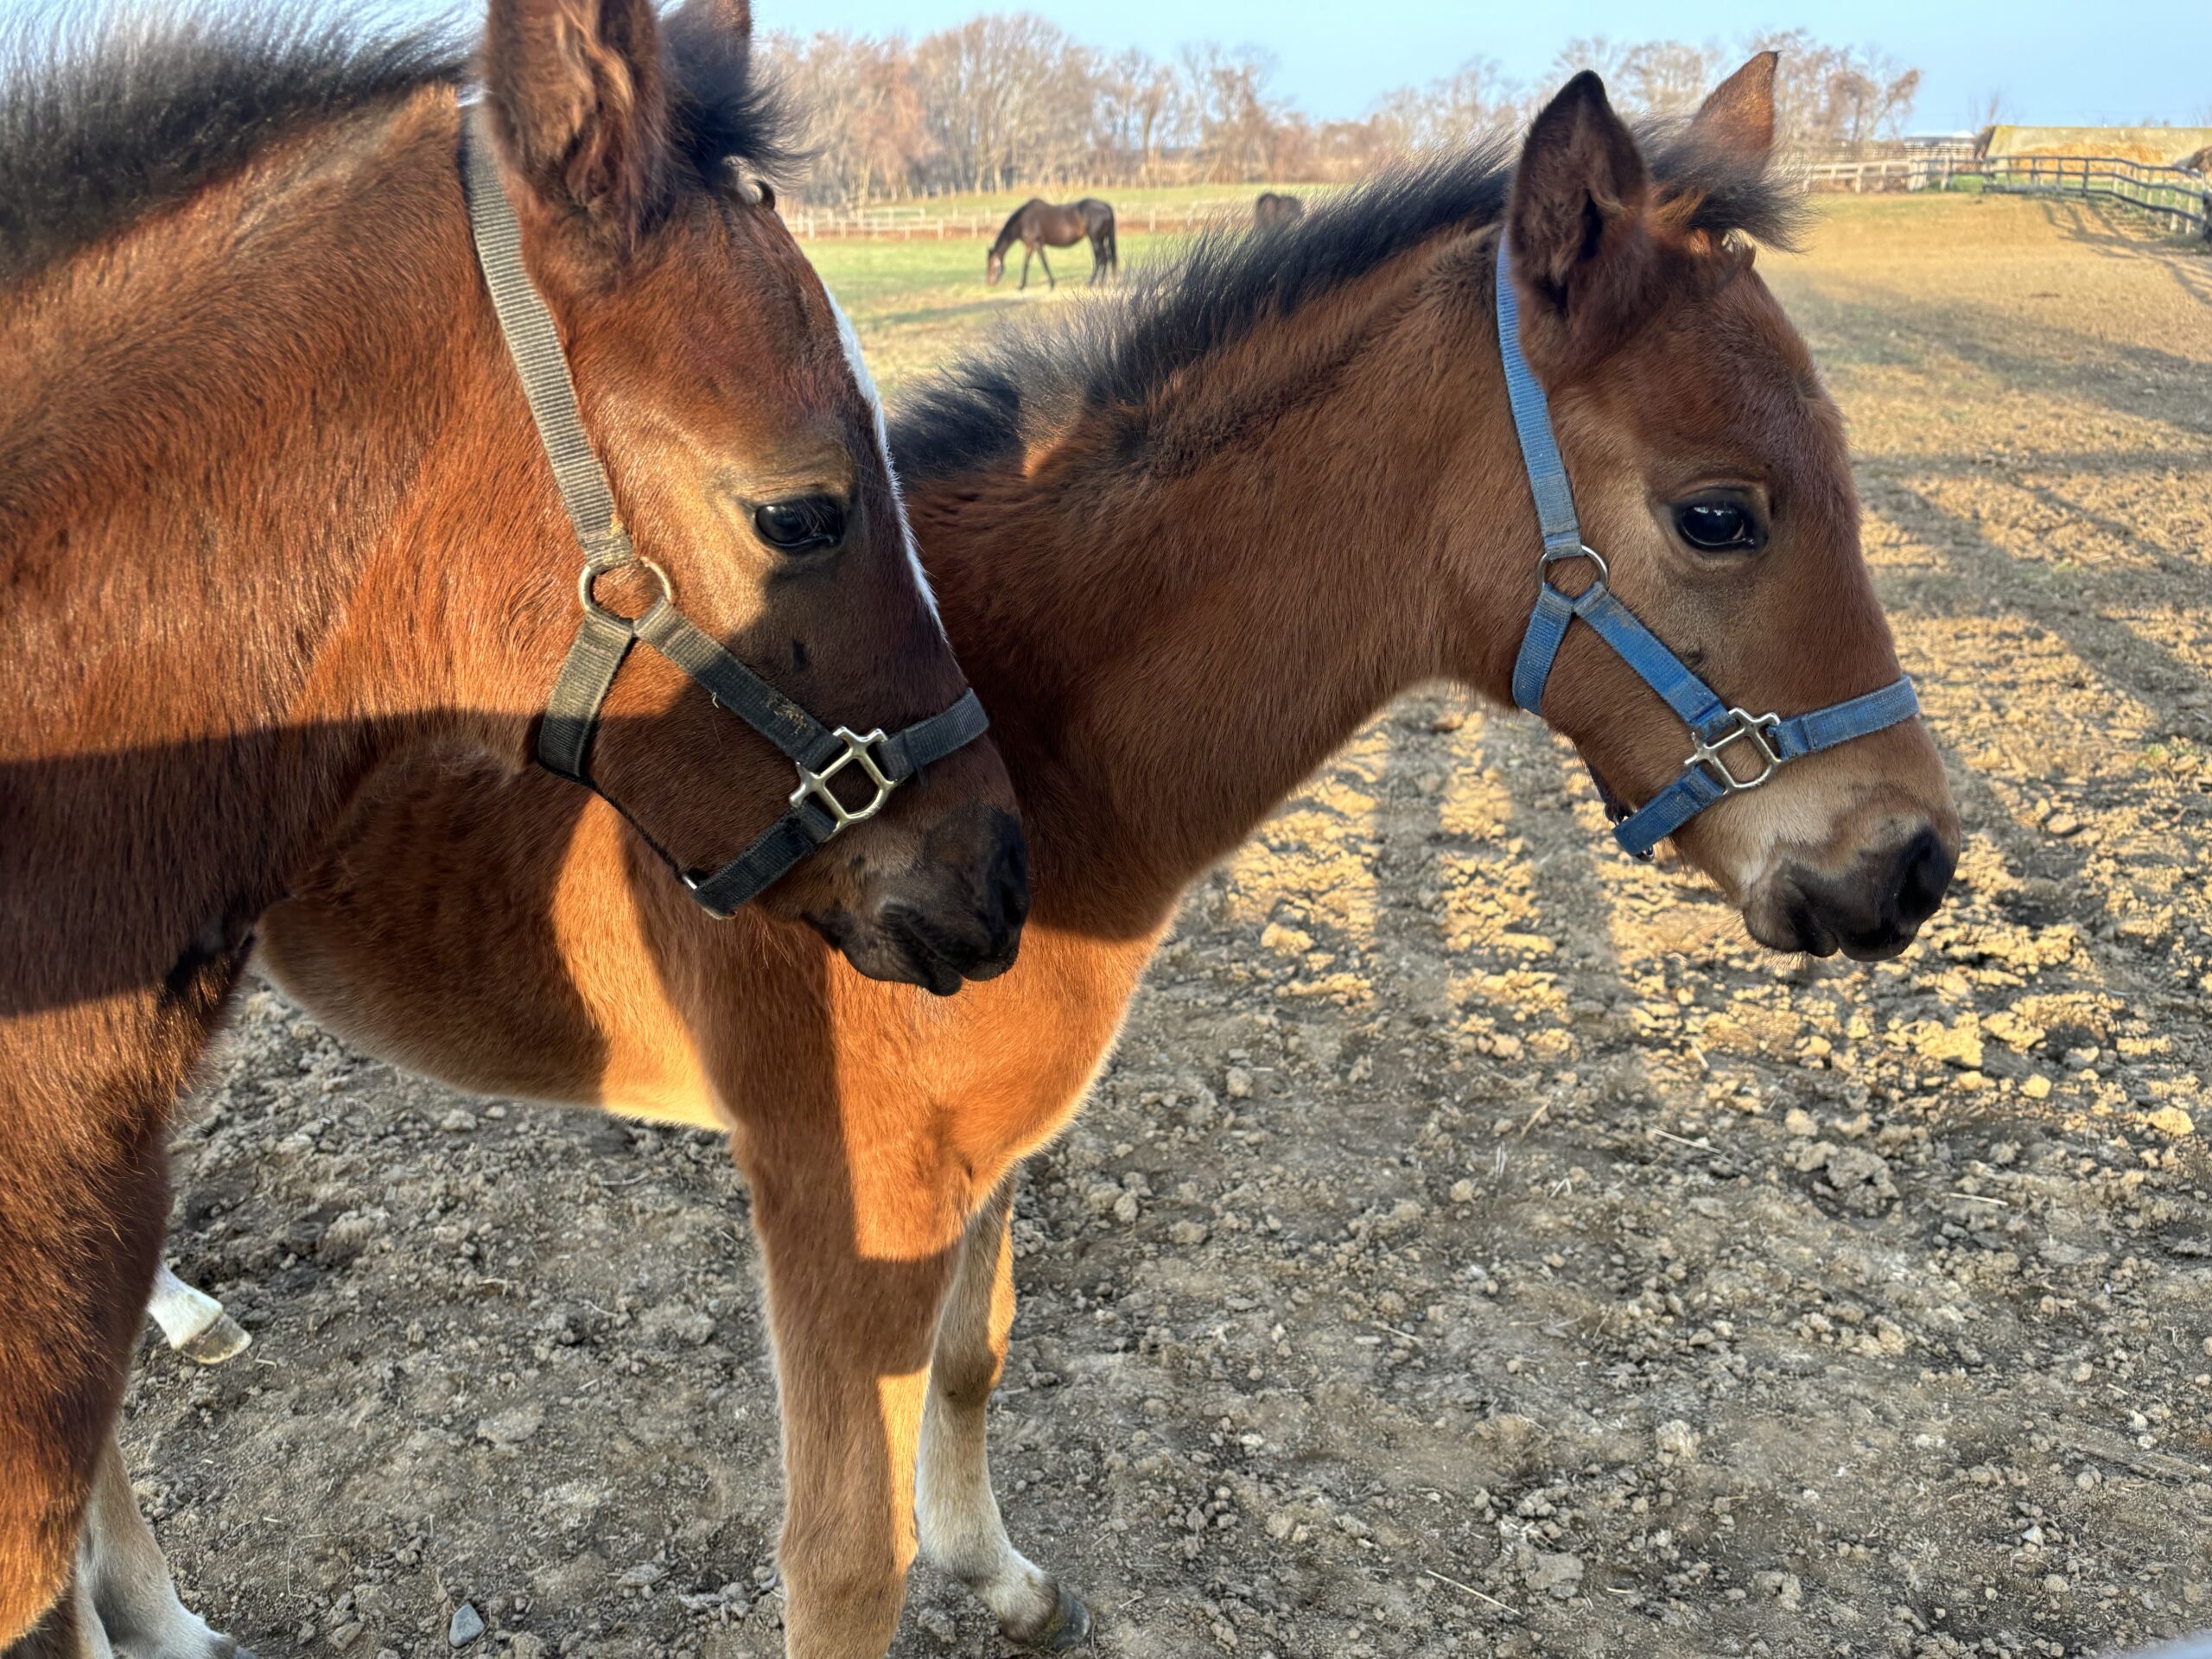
(1711,753)
(860,751)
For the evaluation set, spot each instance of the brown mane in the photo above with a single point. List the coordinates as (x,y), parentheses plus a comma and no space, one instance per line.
(140,112)
(1038,376)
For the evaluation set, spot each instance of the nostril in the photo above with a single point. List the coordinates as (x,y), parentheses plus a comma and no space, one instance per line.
(1923,872)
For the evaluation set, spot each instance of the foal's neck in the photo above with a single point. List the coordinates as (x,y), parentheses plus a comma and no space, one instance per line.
(213,427)
(1175,615)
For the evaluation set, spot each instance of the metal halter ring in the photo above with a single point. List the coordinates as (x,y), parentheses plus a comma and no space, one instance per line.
(1744,727)
(1550,558)
(860,751)
(588,578)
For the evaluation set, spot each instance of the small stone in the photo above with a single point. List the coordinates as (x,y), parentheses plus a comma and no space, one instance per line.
(1462,1192)
(938,1624)
(459,1120)
(2062,823)
(1959,1045)
(526,1647)
(2173,1120)
(1238,1084)
(1675,1438)
(1125,1209)
(643,1574)
(2036,1087)
(1799,1121)
(513,1426)
(1557,1575)
(1290,941)
(467,1624)
(1188,1234)
(2055,1583)
(345,1635)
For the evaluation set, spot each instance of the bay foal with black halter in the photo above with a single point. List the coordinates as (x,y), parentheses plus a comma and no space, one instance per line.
(1231,514)
(273,517)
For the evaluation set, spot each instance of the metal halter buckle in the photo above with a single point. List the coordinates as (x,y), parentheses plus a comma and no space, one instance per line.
(1746,727)
(816,785)
(1569,554)
(588,586)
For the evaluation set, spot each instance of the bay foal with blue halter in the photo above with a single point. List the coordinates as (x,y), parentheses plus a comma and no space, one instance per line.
(1270,487)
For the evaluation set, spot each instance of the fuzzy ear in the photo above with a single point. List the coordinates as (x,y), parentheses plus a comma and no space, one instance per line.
(1737,118)
(577,87)
(1580,176)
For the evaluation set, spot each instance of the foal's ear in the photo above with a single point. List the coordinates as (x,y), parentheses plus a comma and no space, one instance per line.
(1737,118)
(577,88)
(1576,193)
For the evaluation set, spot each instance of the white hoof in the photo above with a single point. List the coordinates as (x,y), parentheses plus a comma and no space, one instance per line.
(193,1322)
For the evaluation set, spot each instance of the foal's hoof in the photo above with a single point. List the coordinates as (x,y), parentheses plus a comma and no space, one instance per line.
(1071,1625)
(225,1339)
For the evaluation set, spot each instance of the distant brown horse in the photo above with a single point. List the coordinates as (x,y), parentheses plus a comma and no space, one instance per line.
(1186,547)
(1273,209)
(1038,224)
(274,516)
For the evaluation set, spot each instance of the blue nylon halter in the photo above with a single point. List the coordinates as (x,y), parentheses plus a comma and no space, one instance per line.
(1770,741)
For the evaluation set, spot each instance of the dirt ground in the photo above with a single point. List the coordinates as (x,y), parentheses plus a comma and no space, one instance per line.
(1477,1247)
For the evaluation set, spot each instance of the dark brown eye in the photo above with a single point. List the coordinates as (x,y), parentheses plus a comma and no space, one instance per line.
(806,525)
(1717,525)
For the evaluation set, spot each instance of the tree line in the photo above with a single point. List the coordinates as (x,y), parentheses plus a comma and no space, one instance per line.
(1008,99)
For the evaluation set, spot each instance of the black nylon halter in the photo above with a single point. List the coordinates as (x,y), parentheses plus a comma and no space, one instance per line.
(604,638)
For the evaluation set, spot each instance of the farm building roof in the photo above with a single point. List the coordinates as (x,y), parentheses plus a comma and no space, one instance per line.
(2160,146)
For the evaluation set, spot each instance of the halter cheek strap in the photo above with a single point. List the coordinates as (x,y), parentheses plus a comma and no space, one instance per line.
(1763,743)
(604,638)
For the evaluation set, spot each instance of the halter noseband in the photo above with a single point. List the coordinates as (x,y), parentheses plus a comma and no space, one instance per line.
(604,638)
(1768,742)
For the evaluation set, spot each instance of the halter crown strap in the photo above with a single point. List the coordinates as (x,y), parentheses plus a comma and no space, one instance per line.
(604,638)
(1763,743)
(535,345)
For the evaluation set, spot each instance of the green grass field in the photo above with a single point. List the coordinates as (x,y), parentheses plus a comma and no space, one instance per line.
(919,304)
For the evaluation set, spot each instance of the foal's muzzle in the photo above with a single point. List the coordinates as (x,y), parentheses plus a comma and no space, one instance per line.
(1870,912)
(955,914)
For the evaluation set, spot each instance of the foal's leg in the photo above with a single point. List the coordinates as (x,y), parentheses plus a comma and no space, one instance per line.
(854,1310)
(961,1530)
(119,1567)
(82,1208)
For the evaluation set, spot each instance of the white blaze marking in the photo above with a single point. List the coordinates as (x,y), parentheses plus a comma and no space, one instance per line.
(851,341)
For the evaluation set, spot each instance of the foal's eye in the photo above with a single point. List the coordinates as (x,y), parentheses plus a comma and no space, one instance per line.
(805,525)
(1717,524)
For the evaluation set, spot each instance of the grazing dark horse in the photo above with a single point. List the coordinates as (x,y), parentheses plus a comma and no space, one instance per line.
(1273,209)
(275,517)
(1364,530)
(1037,224)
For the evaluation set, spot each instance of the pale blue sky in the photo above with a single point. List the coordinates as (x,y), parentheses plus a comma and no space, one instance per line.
(2055,61)
(2059,61)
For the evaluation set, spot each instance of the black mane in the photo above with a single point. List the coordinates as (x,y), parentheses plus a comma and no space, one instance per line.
(1036,377)
(103,120)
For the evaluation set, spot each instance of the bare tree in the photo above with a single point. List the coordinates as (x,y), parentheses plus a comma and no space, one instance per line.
(1009,98)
